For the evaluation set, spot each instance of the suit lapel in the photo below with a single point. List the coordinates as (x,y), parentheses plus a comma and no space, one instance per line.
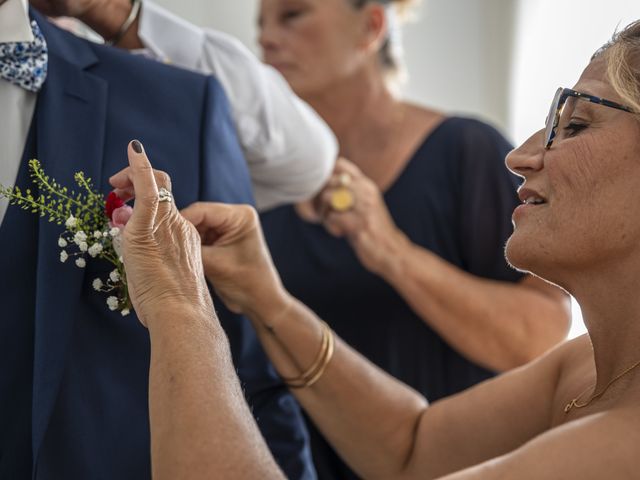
(71,116)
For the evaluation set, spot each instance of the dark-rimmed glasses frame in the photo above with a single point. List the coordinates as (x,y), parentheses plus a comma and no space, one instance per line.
(560,98)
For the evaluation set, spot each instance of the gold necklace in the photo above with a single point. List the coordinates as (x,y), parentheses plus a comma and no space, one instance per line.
(574,403)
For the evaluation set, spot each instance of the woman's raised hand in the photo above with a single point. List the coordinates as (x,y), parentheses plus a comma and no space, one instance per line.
(236,258)
(362,218)
(161,250)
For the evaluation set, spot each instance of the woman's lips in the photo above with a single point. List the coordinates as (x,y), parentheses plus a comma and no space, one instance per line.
(281,66)
(524,209)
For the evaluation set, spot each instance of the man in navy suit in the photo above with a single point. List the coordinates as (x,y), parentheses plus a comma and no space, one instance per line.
(73,375)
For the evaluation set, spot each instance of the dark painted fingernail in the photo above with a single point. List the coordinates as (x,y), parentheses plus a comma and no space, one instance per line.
(137,146)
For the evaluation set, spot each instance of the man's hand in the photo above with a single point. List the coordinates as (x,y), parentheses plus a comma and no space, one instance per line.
(105,17)
(67,8)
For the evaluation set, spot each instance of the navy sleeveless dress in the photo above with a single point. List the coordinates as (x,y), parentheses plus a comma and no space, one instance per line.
(455,198)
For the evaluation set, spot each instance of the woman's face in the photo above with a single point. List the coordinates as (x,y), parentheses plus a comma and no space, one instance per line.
(313,43)
(586,183)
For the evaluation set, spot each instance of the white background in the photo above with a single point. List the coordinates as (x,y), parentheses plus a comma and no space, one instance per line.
(500,60)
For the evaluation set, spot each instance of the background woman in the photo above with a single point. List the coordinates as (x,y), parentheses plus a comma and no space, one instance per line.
(416,279)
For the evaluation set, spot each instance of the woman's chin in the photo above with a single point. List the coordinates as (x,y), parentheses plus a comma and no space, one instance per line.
(528,257)
(519,254)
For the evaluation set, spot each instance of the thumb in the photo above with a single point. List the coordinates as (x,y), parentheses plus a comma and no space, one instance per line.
(144,184)
(209,217)
(221,224)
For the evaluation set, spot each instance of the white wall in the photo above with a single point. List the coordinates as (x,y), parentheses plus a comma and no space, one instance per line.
(553,43)
(236,17)
(458,58)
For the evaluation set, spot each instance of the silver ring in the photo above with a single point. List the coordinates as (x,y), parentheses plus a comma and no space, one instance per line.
(164,195)
(344,179)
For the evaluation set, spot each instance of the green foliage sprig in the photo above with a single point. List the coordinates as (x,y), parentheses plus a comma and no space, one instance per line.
(87,227)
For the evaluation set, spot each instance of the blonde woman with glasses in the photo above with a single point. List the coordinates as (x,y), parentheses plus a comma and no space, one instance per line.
(574,413)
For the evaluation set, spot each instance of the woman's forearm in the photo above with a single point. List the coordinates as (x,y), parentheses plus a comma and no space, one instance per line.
(200,423)
(368,416)
(497,324)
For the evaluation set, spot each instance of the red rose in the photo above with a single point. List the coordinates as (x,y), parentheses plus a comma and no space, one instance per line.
(113,202)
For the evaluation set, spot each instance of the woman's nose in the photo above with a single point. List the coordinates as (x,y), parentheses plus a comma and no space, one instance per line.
(267,37)
(528,157)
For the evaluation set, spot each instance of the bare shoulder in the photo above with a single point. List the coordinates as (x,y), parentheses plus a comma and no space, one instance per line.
(497,417)
(598,444)
(575,353)
(576,371)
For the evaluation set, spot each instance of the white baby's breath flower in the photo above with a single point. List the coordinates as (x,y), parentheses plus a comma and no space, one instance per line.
(112,302)
(97,234)
(125,312)
(114,232)
(79,237)
(81,262)
(114,276)
(71,221)
(116,242)
(62,242)
(83,246)
(95,250)
(97,284)
(63,256)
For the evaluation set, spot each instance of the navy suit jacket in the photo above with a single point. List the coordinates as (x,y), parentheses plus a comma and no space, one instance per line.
(89,375)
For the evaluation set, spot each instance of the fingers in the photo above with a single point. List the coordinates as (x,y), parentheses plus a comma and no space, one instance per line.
(324,203)
(123,187)
(344,174)
(141,181)
(208,218)
(140,174)
(345,166)
(196,213)
(216,220)
(341,224)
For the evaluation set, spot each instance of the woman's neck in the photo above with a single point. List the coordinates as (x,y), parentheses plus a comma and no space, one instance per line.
(358,109)
(610,307)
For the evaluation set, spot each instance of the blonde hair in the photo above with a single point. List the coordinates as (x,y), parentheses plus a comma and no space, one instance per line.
(391,53)
(622,54)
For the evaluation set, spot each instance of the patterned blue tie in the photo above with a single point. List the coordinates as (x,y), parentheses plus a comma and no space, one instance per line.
(25,63)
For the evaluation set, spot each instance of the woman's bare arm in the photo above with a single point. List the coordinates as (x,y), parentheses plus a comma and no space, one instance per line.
(201,426)
(386,430)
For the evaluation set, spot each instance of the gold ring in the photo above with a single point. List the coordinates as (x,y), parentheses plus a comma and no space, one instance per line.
(342,199)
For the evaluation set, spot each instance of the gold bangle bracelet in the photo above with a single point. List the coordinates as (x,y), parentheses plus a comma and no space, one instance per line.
(311,378)
(312,381)
(311,371)
(317,364)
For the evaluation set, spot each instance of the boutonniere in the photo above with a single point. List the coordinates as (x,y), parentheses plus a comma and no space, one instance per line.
(92,226)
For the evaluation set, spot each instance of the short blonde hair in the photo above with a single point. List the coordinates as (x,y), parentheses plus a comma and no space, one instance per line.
(390,54)
(622,54)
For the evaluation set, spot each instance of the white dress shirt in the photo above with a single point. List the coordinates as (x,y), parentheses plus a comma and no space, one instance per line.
(16,103)
(290,150)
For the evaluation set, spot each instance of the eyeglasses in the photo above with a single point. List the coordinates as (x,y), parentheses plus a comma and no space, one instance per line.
(559,100)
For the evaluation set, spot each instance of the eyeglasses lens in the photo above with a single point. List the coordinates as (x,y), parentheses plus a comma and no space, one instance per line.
(552,119)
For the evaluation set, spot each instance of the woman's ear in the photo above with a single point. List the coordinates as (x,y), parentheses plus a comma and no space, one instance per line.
(375,26)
